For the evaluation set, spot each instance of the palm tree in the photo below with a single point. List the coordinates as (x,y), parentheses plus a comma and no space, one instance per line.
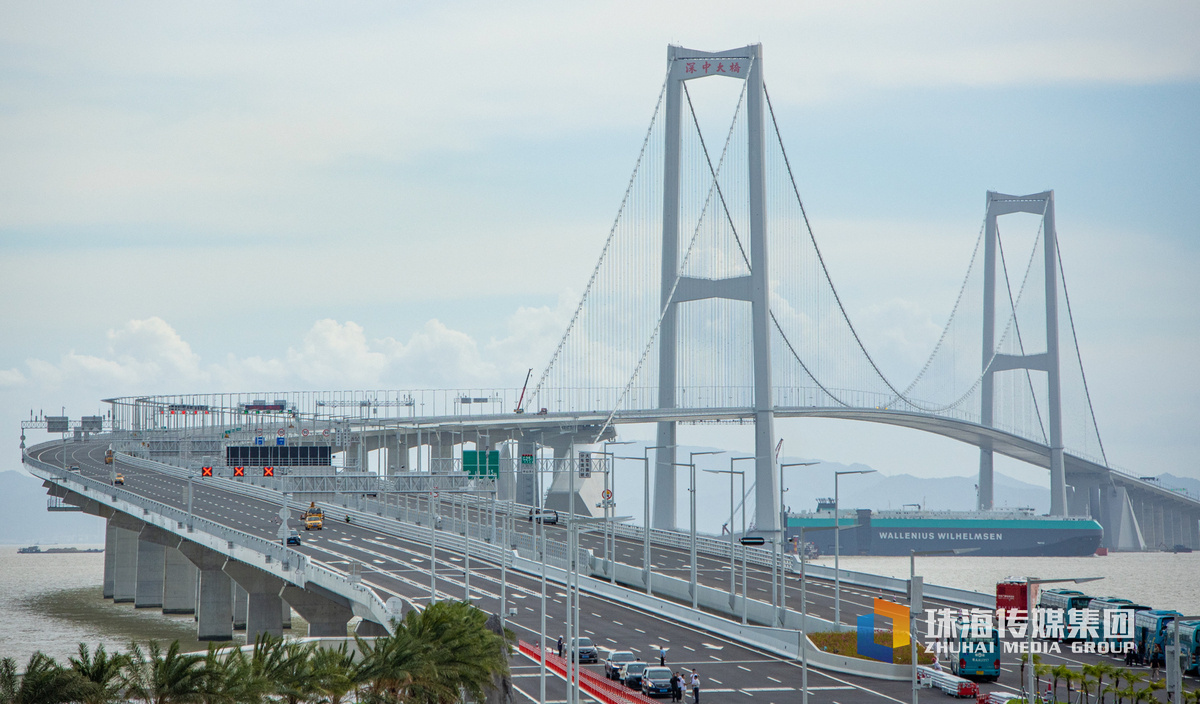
(1059,672)
(435,656)
(334,673)
(43,682)
(161,677)
(1037,660)
(102,671)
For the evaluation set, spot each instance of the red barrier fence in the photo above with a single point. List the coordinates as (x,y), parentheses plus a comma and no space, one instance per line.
(599,687)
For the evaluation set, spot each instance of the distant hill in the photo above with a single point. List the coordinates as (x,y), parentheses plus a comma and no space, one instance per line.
(27,522)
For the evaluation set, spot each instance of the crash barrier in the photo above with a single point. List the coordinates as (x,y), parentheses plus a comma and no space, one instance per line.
(953,685)
(998,698)
(717,547)
(267,555)
(599,687)
(784,641)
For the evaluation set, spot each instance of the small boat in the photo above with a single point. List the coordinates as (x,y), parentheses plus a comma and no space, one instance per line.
(1181,548)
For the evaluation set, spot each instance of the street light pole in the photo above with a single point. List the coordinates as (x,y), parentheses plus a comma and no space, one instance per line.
(837,546)
(609,504)
(803,621)
(732,554)
(646,506)
(692,586)
(782,610)
(1029,622)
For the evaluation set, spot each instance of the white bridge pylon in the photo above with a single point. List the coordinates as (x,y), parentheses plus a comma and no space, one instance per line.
(711,293)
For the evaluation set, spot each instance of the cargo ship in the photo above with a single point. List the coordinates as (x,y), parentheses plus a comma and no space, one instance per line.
(1014,532)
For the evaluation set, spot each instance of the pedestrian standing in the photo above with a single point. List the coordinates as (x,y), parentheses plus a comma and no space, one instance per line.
(695,687)
(662,656)
(560,646)
(676,687)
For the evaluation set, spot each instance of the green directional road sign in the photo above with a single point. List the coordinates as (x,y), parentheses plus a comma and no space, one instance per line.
(481,463)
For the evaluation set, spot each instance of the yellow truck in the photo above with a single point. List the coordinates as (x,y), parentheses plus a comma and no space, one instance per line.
(313,517)
(108,456)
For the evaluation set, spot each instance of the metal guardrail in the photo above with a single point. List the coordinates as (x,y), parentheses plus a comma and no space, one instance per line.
(294,566)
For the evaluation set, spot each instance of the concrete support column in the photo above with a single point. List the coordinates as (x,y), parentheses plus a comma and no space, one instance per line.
(1194,526)
(214,617)
(110,554)
(240,601)
(125,557)
(1160,532)
(286,615)
(151,565)
(264,607)
(370,629)
(327,613)
(1169,523)
(179,583)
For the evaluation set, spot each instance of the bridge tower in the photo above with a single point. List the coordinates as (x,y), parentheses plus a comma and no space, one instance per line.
(1037,204)
(683,65)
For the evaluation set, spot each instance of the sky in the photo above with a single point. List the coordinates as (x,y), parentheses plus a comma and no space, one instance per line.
(235,196)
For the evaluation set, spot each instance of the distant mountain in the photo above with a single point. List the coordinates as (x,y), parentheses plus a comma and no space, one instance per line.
(26,520)
(1170,481)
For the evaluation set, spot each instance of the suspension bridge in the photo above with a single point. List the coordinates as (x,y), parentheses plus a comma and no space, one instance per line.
(711,301)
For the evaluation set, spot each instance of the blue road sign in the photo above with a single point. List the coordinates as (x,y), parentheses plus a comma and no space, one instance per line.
(258,440)
(278,441)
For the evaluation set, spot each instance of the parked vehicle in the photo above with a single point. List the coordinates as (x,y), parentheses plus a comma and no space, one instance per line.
(656,681)
(587,651)
(1064,600)
(631,674)
(1103,606)
(975,657)
(1189,641)
(617,658)
(293,537)
(1149,632)
(544,516)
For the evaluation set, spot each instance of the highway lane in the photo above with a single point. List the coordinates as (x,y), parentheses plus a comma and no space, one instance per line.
(396,567)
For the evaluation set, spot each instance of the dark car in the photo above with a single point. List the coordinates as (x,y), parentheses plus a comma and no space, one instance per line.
(587,651)
(631,674)
(545,516)
(614,661)
(293,537)
(656,681)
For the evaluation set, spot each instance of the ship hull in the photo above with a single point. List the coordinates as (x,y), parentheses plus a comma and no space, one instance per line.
(991,537)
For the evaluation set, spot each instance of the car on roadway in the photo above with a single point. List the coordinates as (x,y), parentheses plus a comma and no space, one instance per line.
(631,674)
(656,681)
(545,516)
(74,468)
(614,661)
(587,650)
(293,537)
(118,479)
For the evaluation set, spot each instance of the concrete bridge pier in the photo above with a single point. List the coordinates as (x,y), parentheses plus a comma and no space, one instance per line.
(214,604)
(110,554)
(286,616)
(264,606)
(370,629)
(327,613)
(125,557)
(1194,529)
(179,583)
(240,600)
(1160,529)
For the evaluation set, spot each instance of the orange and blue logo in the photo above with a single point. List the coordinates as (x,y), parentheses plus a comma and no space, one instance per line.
(869,623)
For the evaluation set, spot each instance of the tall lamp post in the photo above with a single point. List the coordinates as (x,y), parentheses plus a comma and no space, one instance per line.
(732,554)
(916,603)
(782,607)
(1030,621)
(837,546)
(691,465)
(1176,664)
(608,505)
(645,458)
(575,526)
